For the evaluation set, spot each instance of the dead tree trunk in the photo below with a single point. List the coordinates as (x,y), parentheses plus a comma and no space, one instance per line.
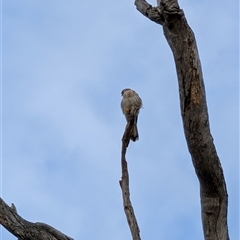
(180,37)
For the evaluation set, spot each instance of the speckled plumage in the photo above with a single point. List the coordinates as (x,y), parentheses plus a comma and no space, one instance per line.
(131,104)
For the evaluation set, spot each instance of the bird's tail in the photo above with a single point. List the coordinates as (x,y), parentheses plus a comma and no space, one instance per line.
(134,135)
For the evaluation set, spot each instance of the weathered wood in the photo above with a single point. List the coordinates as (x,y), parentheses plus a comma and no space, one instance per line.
(25,230)
(181,39)
(124,184)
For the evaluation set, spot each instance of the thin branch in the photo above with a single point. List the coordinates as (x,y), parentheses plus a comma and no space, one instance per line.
(25,230)
(124,184)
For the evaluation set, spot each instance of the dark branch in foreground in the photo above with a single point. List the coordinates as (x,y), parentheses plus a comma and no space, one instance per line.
(25,230)
(124,183)
(181,39)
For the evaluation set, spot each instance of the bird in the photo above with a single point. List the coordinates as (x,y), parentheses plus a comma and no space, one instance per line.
(131,104)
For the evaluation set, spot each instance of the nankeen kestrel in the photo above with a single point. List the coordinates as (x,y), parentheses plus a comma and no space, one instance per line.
(131,104)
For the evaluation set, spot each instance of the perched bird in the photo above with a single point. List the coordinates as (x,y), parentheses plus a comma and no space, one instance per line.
(131,104)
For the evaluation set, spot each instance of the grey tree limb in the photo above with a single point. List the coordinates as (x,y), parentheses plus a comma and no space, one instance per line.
(124,184)
(181,39)
(25,230)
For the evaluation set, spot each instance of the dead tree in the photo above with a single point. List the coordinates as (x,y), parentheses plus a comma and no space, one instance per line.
(180,37)
(213,192)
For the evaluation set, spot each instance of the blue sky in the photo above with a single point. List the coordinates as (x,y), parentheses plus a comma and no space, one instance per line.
(64,65)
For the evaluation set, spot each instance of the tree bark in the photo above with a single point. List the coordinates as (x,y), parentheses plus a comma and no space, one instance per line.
(181,39)
(25,230)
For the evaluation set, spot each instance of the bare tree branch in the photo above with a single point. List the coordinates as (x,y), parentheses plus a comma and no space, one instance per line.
(25,230)
(124,184)
(181,39)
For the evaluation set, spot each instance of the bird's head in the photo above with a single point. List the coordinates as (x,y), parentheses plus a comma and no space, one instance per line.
(124,90)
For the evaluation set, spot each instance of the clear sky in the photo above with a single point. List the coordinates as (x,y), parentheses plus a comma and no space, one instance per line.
(64,65)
